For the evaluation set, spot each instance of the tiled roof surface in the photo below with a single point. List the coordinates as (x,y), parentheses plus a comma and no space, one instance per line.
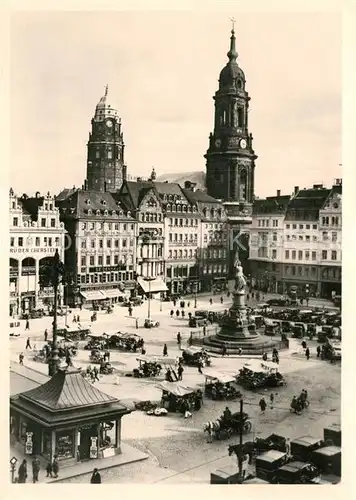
(272,204)
(77,204)
(67,389)
(306,204)
(199,196)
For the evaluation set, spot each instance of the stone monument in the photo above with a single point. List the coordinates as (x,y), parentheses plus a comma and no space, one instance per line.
(236,330)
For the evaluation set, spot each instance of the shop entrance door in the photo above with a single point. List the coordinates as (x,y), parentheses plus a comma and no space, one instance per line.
(85,442)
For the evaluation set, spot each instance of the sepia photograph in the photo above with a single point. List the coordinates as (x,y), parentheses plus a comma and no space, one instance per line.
(175,248)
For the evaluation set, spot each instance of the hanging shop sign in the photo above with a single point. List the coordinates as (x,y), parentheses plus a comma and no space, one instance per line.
(29,443)
(94,447)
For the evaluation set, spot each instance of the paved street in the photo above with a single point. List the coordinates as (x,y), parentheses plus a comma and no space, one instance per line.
(166,439)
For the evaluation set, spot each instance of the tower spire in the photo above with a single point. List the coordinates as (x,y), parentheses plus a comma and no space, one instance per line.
(232,54)
(106,90)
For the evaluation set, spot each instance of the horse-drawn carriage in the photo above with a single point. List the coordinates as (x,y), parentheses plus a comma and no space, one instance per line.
(149,323)
(220,386)
(96,341)
(224,427)
(195,356)
(257,374)
(96,356)
(255,448)
(124,341)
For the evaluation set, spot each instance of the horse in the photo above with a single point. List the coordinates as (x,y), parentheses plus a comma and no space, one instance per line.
(212,428)
(247,449)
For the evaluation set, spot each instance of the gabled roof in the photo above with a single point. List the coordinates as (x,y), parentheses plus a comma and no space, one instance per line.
(65,193)
(66,390)
(31,205)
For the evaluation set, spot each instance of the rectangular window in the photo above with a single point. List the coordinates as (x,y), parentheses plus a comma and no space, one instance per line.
(109,155)
(15,221)
(124,243)
(287,226)
(116,260)
(334,237)
(300,237)
(49,242)
(306,271)
(293,270)
(38,242)
(274,236)
(92,260)
(43,222)
(92,243)
(116,243)
(45,241)
(84,225)
(313,255)
(301,226)
(300,255)
(307,255)
(307,226)
(12,242)
(324,254)
(274,254)
(125,227)
(315,238)
(325,236)
(315,227)
(333,255)
(84,244)
(300,270)
(294,226)
(294,254)
(307,237)
(53,222)
(108,243)
(100,243)
(20,242)
(287,254)
(100,260)
(108,260)
(267,223)
(84,261)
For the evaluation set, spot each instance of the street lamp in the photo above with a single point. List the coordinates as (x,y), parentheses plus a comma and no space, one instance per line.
(149,295)
(13,462)
(195,294)
(53,275)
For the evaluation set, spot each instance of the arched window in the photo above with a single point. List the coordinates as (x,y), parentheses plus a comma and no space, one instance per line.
(239,84)
(243,185)
(240,117)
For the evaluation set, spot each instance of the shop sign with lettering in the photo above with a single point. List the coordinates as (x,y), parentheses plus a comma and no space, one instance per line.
(33,250)
(94,447)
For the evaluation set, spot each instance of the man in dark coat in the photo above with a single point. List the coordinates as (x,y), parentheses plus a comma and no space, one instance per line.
(35,469)
(165,350)
(55,466)
(180,372)
(262,405)
(307,353)
(96,477)
(23,472)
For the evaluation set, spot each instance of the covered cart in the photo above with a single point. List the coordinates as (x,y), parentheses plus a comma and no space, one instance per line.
(193,356)
(220,386)
(152,366)
(96,341)
(257,374)
(177,397)
(124,341)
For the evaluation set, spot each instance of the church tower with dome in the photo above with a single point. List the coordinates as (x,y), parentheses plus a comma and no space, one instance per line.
(230,159)
(106,170)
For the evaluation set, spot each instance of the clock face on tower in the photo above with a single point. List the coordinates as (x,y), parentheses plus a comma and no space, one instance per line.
(108,123)
(243,144)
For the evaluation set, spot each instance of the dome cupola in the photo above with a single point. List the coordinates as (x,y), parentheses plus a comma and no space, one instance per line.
(104,110)
(232,75)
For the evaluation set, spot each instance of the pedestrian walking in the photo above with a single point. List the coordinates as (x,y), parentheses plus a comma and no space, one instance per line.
(45,335)
(307,301)
(172,313)
(252,295)
(318,351)
(200,366)
(35,469)
(49,470)
(22,472)
(262,404)
(179,339)
(165,350)
(223,351)
(188,303)
(28,344)
(180,372)
(96,374)
(190,340)
(21,356)
(271,398)
(27,327)
(78,319)
(177,313)
(221,299)
(307,353)
(211,301)
(95,477)
(55,466)
(136,321)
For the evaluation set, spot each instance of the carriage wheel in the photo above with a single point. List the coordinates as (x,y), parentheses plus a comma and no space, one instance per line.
(247,426)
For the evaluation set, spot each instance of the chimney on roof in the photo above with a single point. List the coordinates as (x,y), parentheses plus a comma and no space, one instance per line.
(296,189)
(278,193)
(338,182)
(318,186)
(37,195)
(138,179)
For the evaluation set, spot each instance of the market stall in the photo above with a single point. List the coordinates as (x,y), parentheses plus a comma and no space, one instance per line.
(195,356)
(152,366)
(176,397)
(258,373)
(220,386)
(124,341)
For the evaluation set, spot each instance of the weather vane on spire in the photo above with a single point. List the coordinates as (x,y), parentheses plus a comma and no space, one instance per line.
(106,90)
(233,21)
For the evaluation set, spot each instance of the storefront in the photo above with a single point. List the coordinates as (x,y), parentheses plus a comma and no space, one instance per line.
(68,417)
(152,287)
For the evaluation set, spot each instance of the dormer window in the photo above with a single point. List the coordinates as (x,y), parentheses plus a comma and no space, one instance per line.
(121,213)
(97,212)
(106,212)
(129,214)
(168,207)
(173,208)
(114,212)
(103,202)
(89,211)
(87,202)
(179,208)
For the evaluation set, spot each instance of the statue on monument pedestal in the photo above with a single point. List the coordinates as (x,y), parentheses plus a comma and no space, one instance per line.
(240,282)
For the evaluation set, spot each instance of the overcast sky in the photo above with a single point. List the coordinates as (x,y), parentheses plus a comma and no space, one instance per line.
(162,70)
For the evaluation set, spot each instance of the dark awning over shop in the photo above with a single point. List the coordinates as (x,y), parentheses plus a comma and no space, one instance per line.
(94,295)
(152,286)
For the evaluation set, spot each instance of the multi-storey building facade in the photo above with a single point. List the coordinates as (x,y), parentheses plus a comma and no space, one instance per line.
(307,254)
(102,251)
(36,232)
(212,261)
(106,169)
